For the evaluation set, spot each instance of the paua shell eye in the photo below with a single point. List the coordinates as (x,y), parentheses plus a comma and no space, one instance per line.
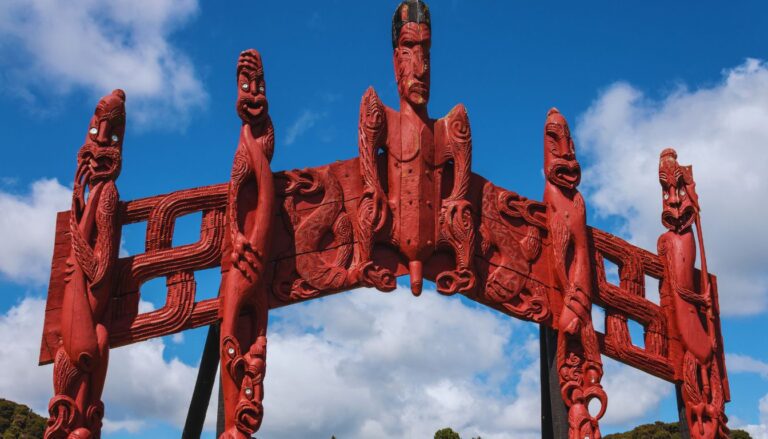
(681,192)
(94,131)
(245,86)
(115,138)
(666,196)
(261,88)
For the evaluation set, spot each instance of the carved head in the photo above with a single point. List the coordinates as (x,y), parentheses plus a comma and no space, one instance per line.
(411,41)
(560,164)
(678,192)
(251,89)
(100,157)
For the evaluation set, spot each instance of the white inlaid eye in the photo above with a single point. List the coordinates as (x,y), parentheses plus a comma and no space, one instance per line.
(261,89)
(681,192)
(115,138)
(94,131)
(666,196)
(245,86)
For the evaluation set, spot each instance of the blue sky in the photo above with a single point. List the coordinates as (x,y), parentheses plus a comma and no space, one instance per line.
(631,78)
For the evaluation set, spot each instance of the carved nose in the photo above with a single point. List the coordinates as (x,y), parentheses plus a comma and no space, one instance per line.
(103,137)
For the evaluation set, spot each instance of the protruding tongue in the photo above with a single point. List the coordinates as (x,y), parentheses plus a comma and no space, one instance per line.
(417,278)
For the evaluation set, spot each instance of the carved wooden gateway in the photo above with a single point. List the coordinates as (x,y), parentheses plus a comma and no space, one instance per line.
(409,204)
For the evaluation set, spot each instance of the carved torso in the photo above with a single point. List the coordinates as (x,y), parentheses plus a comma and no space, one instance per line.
(679,250)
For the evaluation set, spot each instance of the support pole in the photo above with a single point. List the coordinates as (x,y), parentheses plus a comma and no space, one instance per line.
(206,375)
(685,432)
(554,416)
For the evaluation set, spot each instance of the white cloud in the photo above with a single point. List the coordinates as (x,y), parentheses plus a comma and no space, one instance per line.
(27,228)
(306,120)
(723,131)
(142,387)
(743,363)
(632,393)
(399,366)
(363,364)
(759,431)
(97,46)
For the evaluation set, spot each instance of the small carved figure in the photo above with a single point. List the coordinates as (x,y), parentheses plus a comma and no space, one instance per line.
(578,354)
(702,388)
(412,213)
(80,366)
(250,212)
(317,275)
(509,283)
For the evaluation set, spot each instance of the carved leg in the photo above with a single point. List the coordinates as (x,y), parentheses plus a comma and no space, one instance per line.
(457,229)
(579,384)
(363,268)
(242,374)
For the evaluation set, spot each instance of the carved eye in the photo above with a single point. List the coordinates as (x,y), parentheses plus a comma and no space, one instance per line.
(261,88)
(115,138)
(666,196)
(245,86)
(94,131)
(681,192)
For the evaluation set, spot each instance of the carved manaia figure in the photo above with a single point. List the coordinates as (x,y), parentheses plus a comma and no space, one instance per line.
(80,365)
(250,212)
(578,354)
(412,213)
(702,384)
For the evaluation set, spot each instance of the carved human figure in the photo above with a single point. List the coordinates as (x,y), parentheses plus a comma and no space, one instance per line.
(80,365)
(409,211)
(702,388)
(578,354)
(250,212)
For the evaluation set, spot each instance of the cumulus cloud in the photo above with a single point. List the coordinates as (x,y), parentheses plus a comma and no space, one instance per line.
(27,228)
(738,363)
(142,386)
(759,431)
(97,46)
(722,131)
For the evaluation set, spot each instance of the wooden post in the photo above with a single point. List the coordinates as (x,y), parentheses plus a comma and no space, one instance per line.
(201,396)
(554,416)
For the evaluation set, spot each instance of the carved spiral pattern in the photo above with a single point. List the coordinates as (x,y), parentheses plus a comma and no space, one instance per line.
(63,416)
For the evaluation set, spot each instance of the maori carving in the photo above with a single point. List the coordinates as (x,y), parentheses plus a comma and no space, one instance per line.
(250,211)
(409,204)
(512,227)
(702,386)
(317,275)
(80,366)
(578,354)
(411,213)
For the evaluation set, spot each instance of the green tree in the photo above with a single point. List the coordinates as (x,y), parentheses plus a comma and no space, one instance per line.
(19,422)
(446,433)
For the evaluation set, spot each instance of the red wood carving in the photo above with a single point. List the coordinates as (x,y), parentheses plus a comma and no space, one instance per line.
(692,302)
(80,365)
(409,204)
(578,354)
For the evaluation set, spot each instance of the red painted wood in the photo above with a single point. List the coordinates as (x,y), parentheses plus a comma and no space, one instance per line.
(408,205)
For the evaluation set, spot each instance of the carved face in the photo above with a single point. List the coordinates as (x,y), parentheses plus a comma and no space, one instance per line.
(251,89)
(100,157)
(560,164)
(412,63)
(677,192)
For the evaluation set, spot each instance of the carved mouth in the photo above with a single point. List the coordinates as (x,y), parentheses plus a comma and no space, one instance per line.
(419,88)
(678,221)
(565,173)
(253,108)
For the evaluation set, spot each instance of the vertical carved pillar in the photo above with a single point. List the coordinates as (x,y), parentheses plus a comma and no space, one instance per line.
(245,303)
(80,365)
(578,354)
(701,388)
